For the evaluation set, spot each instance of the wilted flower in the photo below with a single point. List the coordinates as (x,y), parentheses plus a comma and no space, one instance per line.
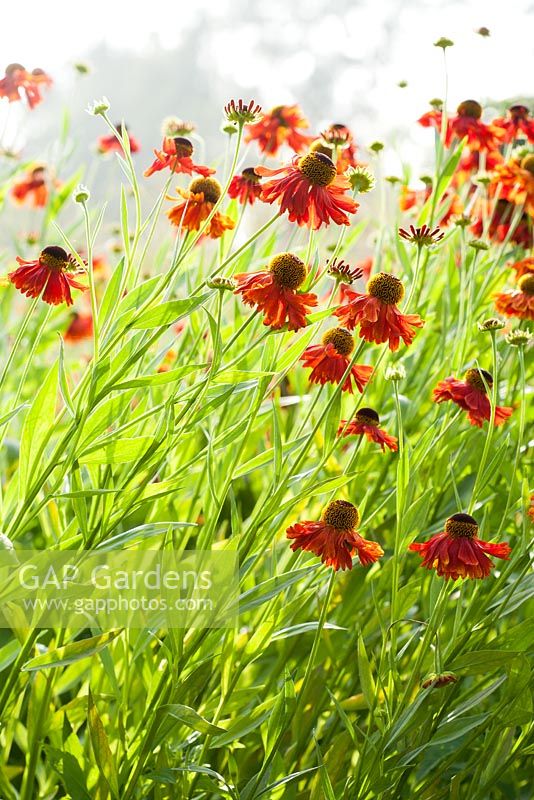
(334,538)
(377,314)
(242,113)
(310,190)
(274,291)
(174,126)
(366,423)
(457,552)
(329,361)
(196,206)
(52,272)
(423,236)
(281,125)
(470,395)
(478,244)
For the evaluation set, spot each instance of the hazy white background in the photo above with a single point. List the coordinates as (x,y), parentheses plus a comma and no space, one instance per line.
(341,59)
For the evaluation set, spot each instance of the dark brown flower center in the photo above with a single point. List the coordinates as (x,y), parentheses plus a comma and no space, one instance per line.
(526,283)
(386,288)
(341,339)
(11,68)
(470,108)
(476,378)
(183,147)
(54,258)
(318,168)
(210,188)
(341,514)
(320,146)
(528,163)
(288,270)
(461,526)
(367,416)
(250,175)
(518,112)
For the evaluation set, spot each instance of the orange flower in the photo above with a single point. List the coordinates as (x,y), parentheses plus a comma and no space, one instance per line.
(280,126)
(466,122)
(340,136)
(410,198)
(517,124)
(520,302)
(377,313)
(470,395)
(329,361)
(333,538)
(196,206)
(52,271)
(33,188)
(514,181)
(17,83)
(245,187)
(366,423)
(523,267)
(110,143)
(80,328)
(176,155)
(310,190)
(273,291)
(457,552)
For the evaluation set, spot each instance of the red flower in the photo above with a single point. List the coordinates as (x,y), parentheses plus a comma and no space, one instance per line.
(18,82)
(339,136)
(470,395)
(523,267)
(80,328)
(514,181)
(329,361)
(245,187)
(273,291)
(110,143)
(517,124)
(365,423)
(470,164)
(519,303)
(377,312)
(530,511)
(280,126)
(333,538)
(52,271)
(196,206)
(32,188)
(176,155)
(467,122)
(310,190)
(457,552)
(500,225)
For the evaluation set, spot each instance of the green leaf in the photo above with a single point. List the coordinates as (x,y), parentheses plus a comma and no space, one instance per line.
(166,313)
(121,451)
(480,661)
(366,676)
(101,749)
(72,652)
(37,425)
(191,718)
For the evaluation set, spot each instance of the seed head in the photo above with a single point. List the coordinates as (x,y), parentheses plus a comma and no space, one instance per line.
(519,338)
(491,324)
(423,236)
(318,168)
(341,514)
(242,113)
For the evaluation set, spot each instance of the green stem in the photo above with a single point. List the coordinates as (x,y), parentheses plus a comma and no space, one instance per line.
(487,444)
